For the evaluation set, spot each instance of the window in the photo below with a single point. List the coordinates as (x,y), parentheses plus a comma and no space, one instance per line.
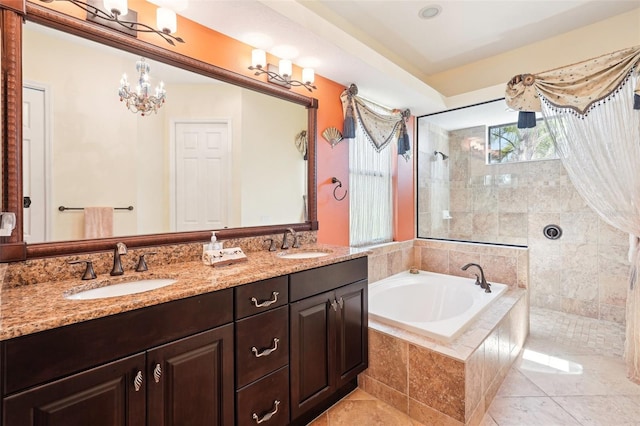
(371,195)
(507,144)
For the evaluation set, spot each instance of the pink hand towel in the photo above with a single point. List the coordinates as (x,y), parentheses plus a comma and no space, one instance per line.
(98,222)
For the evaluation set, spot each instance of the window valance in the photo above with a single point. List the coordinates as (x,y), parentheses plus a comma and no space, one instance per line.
(381,125)
(580,86)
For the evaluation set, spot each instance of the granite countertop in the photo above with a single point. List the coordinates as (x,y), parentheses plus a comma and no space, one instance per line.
(32,308)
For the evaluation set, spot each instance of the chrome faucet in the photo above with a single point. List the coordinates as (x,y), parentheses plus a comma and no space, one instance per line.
(120,250)
(480,280)
(285,243)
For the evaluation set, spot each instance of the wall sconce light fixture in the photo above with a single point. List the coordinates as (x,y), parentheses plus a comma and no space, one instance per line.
(116,14)
(282,73)
(140,100)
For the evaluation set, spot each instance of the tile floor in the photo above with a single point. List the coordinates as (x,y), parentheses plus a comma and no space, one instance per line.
(570,373)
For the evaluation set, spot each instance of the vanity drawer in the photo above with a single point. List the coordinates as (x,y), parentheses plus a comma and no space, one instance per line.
(261,296)
(268,398)
(315,281)
(262,345)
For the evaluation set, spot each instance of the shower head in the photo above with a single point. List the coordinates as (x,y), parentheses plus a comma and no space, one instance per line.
(444,156)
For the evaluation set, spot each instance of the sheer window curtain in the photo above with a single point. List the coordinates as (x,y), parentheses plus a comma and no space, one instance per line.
(371,203)
(598,141)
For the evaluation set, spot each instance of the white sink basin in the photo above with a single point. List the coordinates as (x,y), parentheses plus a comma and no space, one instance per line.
(121,289)
(302,254)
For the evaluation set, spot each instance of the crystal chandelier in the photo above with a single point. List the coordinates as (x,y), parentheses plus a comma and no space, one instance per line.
(140,100)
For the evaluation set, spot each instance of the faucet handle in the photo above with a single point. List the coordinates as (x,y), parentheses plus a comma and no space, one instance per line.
(477,279)
(296,243)
(89,273)
(142,263)
(121,248)
(272,244)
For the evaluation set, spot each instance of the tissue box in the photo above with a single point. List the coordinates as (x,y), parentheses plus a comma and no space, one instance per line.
(227,256)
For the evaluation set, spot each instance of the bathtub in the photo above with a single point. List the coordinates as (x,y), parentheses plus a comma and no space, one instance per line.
(434,305)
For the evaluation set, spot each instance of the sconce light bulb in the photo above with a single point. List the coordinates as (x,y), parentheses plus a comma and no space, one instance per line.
(308,75)
(258,58)
(166,20)
(117,7)
(285,68)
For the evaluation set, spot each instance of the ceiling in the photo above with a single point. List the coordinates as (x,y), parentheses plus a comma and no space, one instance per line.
(384,46)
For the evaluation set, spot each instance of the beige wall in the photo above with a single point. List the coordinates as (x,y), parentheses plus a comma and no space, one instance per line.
(593,40)
(269,194)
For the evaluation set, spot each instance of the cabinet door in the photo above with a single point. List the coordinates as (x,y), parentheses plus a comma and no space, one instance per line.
(102,396)
(312,341)
(351,331)
(191,380)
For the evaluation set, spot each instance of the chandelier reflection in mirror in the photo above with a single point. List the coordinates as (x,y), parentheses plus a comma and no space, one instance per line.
(140,100)
(116,12)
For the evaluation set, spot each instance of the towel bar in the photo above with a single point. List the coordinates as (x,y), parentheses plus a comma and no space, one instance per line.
(63,208)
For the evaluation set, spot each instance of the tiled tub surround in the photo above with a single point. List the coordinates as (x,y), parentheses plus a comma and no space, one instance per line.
(447,383)
(30,308)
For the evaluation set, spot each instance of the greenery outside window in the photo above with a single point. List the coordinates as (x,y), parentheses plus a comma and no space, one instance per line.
(508,144)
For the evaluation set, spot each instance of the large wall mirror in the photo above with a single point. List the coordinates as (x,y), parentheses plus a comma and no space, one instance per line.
(223,152)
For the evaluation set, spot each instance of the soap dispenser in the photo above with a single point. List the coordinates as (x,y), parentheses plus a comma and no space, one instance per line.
(215,244)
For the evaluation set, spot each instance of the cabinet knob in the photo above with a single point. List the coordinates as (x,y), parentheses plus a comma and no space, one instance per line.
(334,305)
(341,303)
(266,351)
(157,373)
(274,299)
(267,416)
(137,381)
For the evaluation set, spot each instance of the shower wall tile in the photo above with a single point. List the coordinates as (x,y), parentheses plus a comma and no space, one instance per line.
(609,235)
(512,225)
(579,228)
(485,224)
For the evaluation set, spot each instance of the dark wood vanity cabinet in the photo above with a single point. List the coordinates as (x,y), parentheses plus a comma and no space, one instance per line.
(130,369)
(329,344)
(273,352)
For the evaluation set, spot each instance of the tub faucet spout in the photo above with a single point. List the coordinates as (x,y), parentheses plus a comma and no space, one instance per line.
(481,281)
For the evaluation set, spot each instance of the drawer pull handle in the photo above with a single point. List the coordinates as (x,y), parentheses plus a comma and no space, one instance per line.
(157,373)
(266,303)
(266,351)
(137,381)
(267,416)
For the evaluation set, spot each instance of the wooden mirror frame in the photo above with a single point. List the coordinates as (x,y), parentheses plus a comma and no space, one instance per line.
(13,248)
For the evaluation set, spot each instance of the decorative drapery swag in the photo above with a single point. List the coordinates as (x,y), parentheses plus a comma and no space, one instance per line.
(579,87)
(380,125)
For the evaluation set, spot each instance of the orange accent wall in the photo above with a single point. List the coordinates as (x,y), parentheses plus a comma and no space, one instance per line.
(404,196)
(218,49)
